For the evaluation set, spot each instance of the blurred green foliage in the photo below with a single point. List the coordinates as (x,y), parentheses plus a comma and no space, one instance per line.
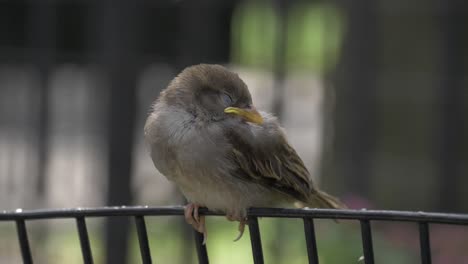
(313,35)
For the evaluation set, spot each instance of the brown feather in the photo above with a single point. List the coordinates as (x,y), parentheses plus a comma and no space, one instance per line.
(277,165)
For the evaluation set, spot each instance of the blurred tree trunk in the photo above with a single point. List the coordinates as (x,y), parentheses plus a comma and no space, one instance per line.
(279,67)
(42,30)
(42,43)
(451,96)
(355,112)
(118,34)
(205,30)
(121,126)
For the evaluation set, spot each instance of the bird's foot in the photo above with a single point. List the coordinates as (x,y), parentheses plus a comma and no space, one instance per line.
(231,217)
(195,220)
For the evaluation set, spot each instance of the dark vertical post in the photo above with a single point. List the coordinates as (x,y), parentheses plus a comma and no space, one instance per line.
(326,164)
(279,63)
(355,120)
(118,33)
(424,243)
(452,129)
(23,241)
(367,246)
(255,240)
(42,38)
(201,248)
(311,243)
(41,28)
(143,239)
(84,240)
(204,32)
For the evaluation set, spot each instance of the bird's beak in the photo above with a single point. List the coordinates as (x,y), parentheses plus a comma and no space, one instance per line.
(248,114)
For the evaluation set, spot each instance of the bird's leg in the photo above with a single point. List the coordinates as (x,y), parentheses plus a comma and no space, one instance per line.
(196,216)
(195,220)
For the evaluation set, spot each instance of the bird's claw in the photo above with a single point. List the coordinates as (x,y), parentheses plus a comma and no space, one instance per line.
(242,224)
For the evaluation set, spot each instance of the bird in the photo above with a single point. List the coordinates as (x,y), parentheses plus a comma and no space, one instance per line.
(205,135)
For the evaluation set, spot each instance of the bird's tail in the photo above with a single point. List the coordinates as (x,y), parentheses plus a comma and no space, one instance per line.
(324,200)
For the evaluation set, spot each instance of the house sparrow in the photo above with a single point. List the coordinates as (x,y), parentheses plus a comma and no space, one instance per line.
(205,135)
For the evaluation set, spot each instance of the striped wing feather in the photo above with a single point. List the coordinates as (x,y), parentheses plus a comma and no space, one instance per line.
(275,166)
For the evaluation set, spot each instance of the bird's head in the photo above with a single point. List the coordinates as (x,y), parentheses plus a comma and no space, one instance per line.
(211,92)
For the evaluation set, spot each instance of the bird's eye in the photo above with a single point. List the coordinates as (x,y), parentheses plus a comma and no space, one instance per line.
(227,99)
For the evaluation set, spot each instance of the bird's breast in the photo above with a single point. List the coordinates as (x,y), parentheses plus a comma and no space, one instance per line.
(180,146)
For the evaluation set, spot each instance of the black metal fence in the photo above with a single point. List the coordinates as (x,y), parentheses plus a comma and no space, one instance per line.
(124,37)
(365,217)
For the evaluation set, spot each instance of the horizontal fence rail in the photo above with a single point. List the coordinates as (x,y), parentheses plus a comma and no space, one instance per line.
(365,217)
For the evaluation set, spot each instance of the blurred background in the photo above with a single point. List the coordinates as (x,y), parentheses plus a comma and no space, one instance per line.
(373,95)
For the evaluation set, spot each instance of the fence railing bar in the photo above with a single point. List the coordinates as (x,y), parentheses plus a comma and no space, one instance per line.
(424,243)
(364,216)
(202,253)
(367,246)
(255,240)
(84,240)
(23,241)
(143,239)
(311,242)
(440,218)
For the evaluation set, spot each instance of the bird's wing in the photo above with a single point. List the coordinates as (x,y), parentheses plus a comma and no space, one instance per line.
(274,164)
